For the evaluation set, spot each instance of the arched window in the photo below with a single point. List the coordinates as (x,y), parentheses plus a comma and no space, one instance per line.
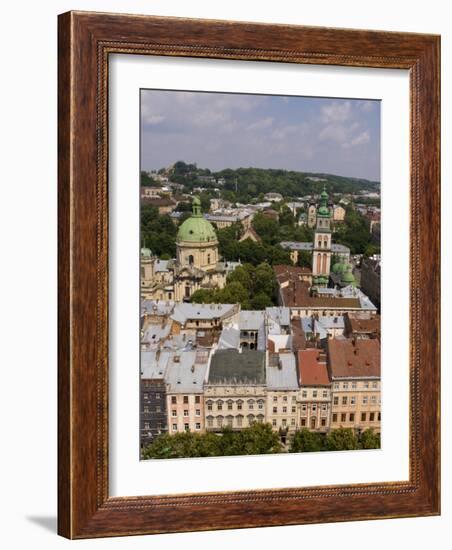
(208,258)
(319,259)
(324,264)
(313,422)
(191,259)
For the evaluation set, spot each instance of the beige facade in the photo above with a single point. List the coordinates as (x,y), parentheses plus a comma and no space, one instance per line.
(356,404)
(338,213)
(314,408)
(234,406)
(282,410)
(185,412)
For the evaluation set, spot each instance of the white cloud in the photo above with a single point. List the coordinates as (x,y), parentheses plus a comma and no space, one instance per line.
(336,111)
(360,139)
(261,124)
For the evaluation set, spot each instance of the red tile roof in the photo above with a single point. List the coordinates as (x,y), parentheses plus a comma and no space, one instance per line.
(354,358)
(312,368)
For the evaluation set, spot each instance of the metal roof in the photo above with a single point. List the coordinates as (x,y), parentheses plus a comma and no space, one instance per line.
(184,375)
(229,366)
(184,311)
(284,375)
(251,320)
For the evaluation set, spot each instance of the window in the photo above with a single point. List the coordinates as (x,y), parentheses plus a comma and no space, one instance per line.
(284,422)
(323,421)
(371,417)
(352,417)
(292,422)
(284,409)
(174,427)
(303,421)
(285,398)
(275,399)
(379,416)
(294,399)
(173,399)
(251,404)
(363,417)
(354,385)
(352,400)
(185,412)
(274,422)
(198,412)
(275,410)
(375,384)
(261,404)
(146,409)
(239,405)
(220,405)
(157,396)
(336,400)
(314,393)
(345,385)
(229,405)
(294,409)
(366,385)
(174,412)
(185,398)
(145,396)
(186,427)
(197,399)
(344,400)
(198,425)
(209,405)
(336,386)
(324,394)
(219,421)
(343,417)
(335,417)
(146,426)
(304,394)
(239,420)
(373,399)
(208,258)
(210,422)
(365,399)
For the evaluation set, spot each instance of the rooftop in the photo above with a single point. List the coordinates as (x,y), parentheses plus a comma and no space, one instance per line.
(354,358)
(185,311)
(184,374)
(229,366)
(312,367)
(282,373)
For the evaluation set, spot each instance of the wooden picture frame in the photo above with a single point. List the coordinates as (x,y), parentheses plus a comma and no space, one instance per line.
(85,42)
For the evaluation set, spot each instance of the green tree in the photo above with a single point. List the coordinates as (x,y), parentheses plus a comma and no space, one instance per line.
(369,439)
(261,301)
(342,439)
(233,293)
(204,296)
(307,441)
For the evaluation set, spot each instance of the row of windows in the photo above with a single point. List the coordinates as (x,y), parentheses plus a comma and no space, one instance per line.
(230,404)
(353,400)
(146,396)
(371,417)
(185,399)
(283,422)
(147,409)
(315,393)
(284,410)
(323,407)
(186,413)
(219,421)
(284,398)
(354,385)
(312,422)
(187,427)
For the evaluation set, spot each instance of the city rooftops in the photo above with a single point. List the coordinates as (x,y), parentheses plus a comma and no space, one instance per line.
(354,358)
(154,364)
(232,367)
(282,372)
(251,320)
(298,245)
(184,374)
(313,368)
(184,312)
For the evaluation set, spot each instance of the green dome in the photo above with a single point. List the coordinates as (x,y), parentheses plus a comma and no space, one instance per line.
(323,210)
(146,252)
(338,268)
(347,276)
(324,195)
(196,229)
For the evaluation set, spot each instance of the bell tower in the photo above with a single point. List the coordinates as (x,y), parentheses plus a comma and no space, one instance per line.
(321,256)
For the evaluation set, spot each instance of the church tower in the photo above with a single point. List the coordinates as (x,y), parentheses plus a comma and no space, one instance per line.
(321,256)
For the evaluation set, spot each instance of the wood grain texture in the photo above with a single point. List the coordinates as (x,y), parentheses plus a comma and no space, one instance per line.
(85,42)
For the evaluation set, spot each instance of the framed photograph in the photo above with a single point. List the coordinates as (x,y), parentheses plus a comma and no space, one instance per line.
(248,275)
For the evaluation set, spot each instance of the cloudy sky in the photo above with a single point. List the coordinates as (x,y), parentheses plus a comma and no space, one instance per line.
(216,131)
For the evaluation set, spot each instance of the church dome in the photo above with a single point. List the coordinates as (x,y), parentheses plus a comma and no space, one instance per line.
(146,252)
(338,268)
(348,277)
(323,210)
(196,228)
